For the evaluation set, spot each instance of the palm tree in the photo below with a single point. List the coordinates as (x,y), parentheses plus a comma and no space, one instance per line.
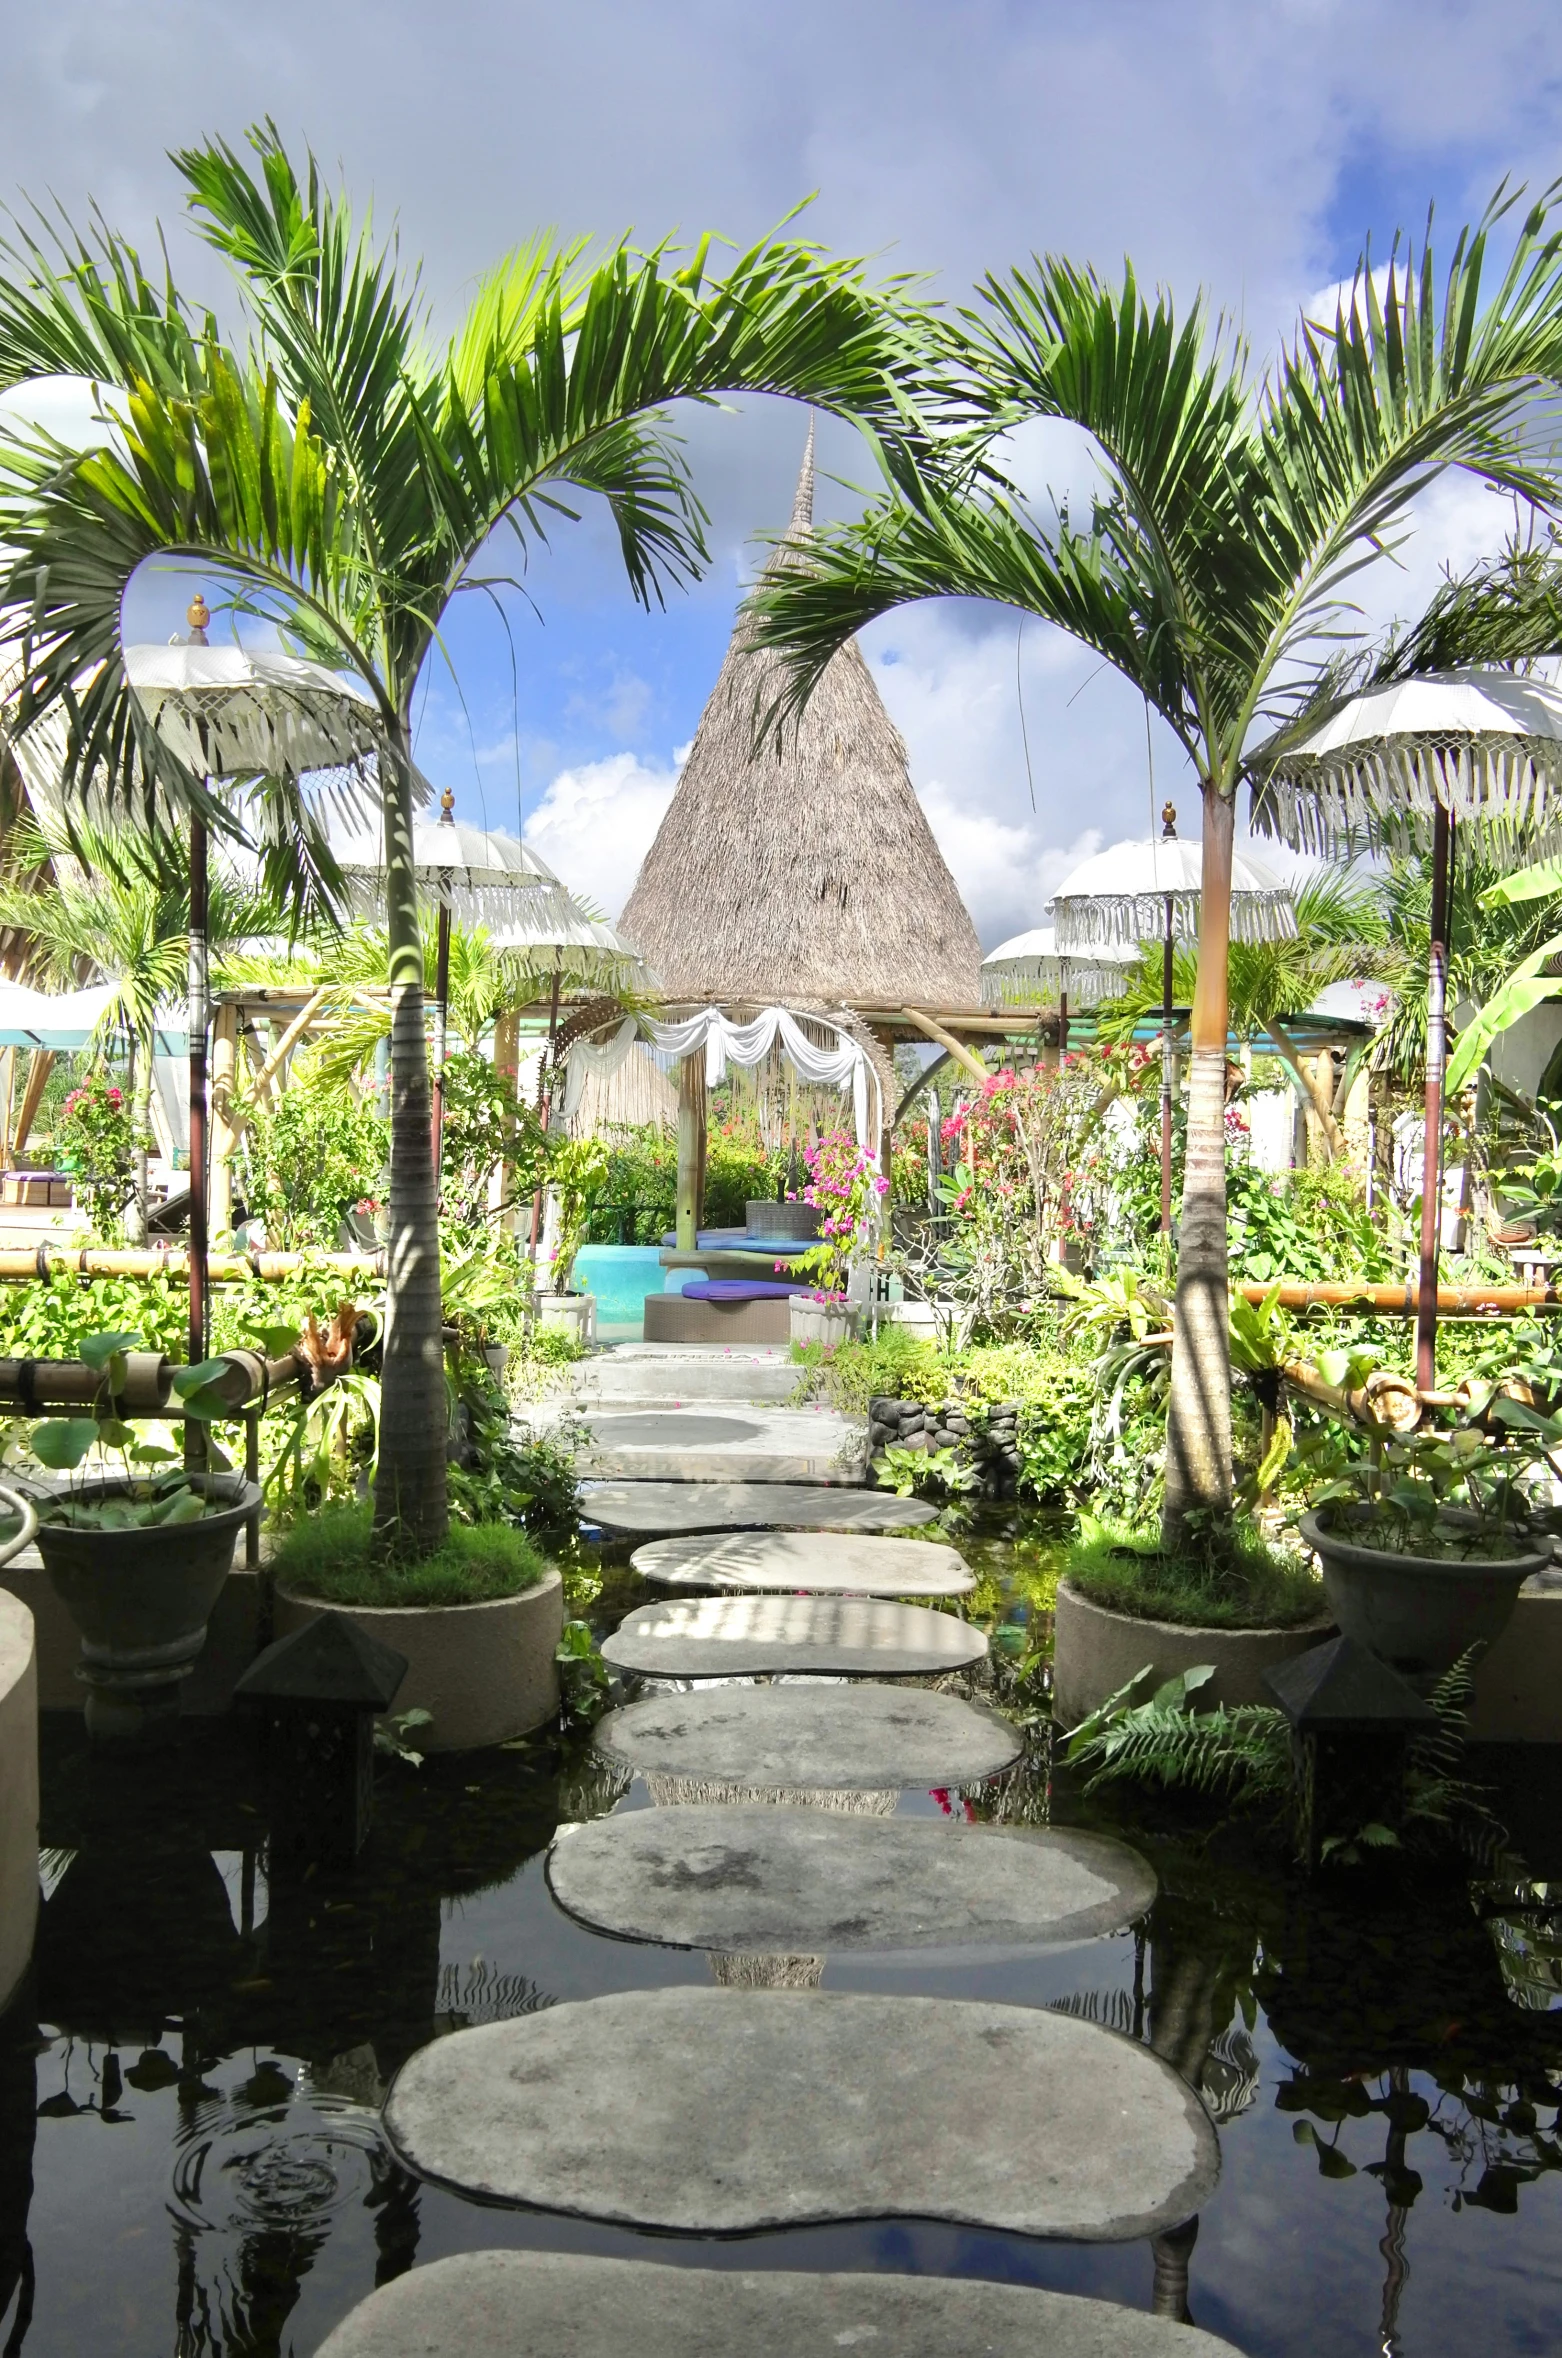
(1341,936)
(1211,575)
(350,474)
(101,909)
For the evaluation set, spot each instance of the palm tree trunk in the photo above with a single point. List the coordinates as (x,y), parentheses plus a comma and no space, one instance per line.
(411,1515)
(1198,1425)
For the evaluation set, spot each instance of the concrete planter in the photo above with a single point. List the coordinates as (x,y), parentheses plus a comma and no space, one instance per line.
(821,1322)
(484,1672)
(141,1600)
(572,1314)
(1097,1651)
(18,1794)
(1419,1613)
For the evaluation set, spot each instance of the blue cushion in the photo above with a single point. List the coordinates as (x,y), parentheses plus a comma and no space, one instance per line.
(741,1289)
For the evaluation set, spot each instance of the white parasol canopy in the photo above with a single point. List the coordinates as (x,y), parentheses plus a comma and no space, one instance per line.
(1486,745)
(551,926)
(1120,898)
(1031,963)
(230,711)
(487,878)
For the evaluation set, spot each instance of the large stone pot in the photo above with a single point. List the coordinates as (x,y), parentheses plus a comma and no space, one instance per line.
(484,1673)
(141,1600)
(828,1322)
(1096,1651)
(1419,1613)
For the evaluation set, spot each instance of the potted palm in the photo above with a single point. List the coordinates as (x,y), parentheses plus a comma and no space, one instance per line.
(137,1552)
(577,1173)
(1425,1540)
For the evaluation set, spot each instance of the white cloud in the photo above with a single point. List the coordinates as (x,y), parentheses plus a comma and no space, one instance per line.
(595,824)
(65,407)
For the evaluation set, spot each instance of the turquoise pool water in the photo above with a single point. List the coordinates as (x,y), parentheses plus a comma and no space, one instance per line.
(621,1276)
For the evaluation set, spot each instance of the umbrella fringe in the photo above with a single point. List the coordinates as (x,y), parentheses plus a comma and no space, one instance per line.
(1383,795)
(1123,920)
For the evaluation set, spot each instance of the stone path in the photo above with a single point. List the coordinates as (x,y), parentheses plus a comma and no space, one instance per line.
(788,1880)
(767,2101)
(542,2304)
(746,1637)
(836,1737)
(825,1563)
(722,2111)
(652,1510)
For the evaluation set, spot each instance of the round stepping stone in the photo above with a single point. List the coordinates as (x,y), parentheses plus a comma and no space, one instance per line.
(721,2111)
(538,2304)
(663,1509)
(745,1637)
(659,1429)
(826,1563)
(788,1880)
(832,1736)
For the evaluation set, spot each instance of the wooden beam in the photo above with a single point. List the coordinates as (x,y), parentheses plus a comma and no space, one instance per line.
(934,1030)
(691,1148)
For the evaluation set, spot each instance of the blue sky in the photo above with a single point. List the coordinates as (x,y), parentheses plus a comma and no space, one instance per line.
(1247,148)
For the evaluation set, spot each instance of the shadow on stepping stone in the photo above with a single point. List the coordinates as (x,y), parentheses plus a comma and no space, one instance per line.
(650,1510)
(836,1737)
(723,2111)
(824,1563)
(778,1880)
(777,1636)
(537,2304)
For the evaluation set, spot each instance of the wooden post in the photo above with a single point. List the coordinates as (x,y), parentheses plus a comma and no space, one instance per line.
(225,1037)
(198,1015)
(441,1002)
(507,1035)
(7,1091)
(1166,1073)
(691,1148)
(38,1071)
(1432,1140)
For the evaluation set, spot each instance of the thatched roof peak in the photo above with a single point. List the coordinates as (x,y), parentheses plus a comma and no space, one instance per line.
(801,871)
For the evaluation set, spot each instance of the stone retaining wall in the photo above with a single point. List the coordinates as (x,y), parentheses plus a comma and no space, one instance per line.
(982,1435)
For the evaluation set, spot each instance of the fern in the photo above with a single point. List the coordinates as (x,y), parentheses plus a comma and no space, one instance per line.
(1243,1752)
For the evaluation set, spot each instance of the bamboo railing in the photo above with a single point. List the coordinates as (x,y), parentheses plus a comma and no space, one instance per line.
(35,1263)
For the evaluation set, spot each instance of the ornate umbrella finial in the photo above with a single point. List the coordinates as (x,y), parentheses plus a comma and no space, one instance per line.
(447,808)
(1168,820)
(198,615)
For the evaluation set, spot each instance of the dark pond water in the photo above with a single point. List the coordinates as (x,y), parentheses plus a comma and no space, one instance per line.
(190,2158)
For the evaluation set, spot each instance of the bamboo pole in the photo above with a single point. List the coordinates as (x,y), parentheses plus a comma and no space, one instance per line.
(1400,1301)
(224,1133)
(38,1071)
(691,1148)
(34,1384)
(507,1041)
(36,1264)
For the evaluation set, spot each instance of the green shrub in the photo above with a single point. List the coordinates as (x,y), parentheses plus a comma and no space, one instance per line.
(1232,1579)
(326,1557)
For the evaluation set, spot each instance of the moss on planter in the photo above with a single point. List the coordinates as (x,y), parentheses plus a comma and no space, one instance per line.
(1240,1583)
(326,1557)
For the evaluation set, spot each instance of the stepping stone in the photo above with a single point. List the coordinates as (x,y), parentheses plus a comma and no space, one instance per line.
(827,1563)
(787,1880)
(745,1637)
(663,1509)
(722,2111)
(539,2304)
(706,1441)
(837,1737)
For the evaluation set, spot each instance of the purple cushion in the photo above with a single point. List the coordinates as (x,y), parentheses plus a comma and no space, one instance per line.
(739,1289)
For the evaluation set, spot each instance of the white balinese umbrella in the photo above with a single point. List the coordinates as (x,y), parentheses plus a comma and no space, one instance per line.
(469,872)
(1030,966)
(227,712)
(1403,766)
(1150,892)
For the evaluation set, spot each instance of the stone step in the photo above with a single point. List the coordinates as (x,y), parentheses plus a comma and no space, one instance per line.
(644,1510)
(839,1738)
(723,2111)
(724,1442)
(753,1637)
(826,1563)
(539,2304)
(627,1372)
(781,1881)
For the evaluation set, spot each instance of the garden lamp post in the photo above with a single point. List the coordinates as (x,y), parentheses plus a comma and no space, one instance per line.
(227,713)
(1424,764)
(1138,893)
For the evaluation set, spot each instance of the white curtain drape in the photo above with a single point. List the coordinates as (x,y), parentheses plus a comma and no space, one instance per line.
(845,1065)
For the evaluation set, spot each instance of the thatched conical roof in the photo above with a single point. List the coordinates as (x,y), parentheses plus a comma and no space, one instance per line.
(804,873)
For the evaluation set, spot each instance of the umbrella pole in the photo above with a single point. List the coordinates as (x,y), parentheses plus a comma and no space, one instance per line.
(1062,1027)
(1432,1142)
(1166,1074)
(194,1433)
(441,999)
